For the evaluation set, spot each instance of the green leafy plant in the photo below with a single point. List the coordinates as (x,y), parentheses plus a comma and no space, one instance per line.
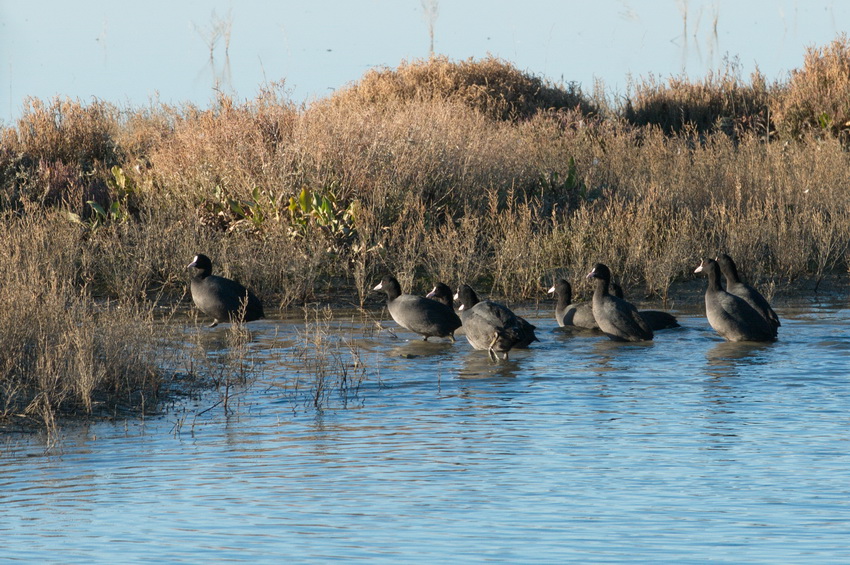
(255,211)
(568,186)
(118,211)
(114,213)
(236,213)
(312,210)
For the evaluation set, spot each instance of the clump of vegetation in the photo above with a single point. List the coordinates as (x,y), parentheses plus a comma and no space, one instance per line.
(314,212)
(329,368)
(66,353)
(67,131)
(490,85)
(817,98)
(721,102)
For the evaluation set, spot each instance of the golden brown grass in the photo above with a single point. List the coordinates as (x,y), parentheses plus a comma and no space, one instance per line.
(490,85)
(328,367)
(63,351)
(445,170)
(817,98)
(722,101)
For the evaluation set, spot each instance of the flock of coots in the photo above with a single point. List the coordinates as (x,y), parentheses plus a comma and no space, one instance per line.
(737,313)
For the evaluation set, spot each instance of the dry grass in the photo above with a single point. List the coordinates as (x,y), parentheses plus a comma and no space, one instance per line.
(67,131)
(721,102)
(65,352)
(466,171)
(329,368)
(491,86)
(817,98)
(446,170)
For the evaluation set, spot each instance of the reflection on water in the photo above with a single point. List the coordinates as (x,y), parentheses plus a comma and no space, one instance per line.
(420,348)
(611,356)
(579,449)
(726,358)
(478,365)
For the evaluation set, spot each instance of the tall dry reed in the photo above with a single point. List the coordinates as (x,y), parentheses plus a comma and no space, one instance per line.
(64,351)
(815,100)
(424,172)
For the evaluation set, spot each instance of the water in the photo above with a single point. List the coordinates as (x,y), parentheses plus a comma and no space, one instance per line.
(686,450)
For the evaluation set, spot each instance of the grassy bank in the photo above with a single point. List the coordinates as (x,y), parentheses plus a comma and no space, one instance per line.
(66,353)
(467,171)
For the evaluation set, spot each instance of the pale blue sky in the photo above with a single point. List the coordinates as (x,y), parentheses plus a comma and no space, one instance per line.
(128,52)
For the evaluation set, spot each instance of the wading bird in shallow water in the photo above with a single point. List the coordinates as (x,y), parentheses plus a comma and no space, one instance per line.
(617,318)
(442,293)
(567,313)
(655,319)
(730,315)
(751,296)
(489,325)
(224,299)
(418,314)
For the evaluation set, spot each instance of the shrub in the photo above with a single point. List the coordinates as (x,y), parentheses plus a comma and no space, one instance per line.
(720,102)
(490,85)
(817,97)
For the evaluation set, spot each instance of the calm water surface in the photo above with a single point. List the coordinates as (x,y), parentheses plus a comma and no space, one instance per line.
(686,450)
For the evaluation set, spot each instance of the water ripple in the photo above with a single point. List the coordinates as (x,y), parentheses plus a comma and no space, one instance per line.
(688,449)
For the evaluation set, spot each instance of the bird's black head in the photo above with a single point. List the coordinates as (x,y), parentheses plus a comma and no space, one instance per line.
(202,263)
(600,271)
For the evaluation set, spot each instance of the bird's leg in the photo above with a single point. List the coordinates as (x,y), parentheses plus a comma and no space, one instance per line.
(490,351)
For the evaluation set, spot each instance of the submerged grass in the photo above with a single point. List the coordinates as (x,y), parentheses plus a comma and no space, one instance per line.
(330,369)
(446,171)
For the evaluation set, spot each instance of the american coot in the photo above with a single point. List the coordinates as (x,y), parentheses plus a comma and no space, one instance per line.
(489,325)
(754,298)
(730,315)
(441,293)
(528,335)
(221,298)
(617,318)
(568,314)
(655,319)
(417,313)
